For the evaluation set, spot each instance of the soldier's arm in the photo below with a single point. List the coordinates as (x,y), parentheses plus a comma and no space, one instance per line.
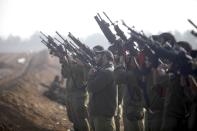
(120,76)
(126,77)
(99,82)
(70,66)
(65,71)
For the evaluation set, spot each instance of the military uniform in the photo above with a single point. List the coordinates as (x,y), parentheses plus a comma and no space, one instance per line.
(156,88)
(132,101)
(133,104)
(119,63)
(119,112)
(103,99)
(76,95)
(175,106)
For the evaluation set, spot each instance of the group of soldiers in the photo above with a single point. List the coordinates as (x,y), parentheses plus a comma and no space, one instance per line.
(132,88)
(139,83)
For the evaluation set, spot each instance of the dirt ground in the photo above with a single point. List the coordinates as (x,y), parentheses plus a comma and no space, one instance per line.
(23,107)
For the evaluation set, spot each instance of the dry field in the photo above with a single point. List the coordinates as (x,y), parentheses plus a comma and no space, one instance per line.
(23,107)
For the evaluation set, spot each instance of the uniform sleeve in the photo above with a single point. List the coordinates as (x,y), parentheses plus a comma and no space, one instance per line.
(99,81)
(120,76)
(65,70)
(126,77)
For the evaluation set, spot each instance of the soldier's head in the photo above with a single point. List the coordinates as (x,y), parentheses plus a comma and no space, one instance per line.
(185,45)
(118,52)
(104,57)
(97,48)
(57,78)
(166,39)
(98,52)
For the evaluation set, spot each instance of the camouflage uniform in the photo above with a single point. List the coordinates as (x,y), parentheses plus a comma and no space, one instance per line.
(76,95)
(103,99)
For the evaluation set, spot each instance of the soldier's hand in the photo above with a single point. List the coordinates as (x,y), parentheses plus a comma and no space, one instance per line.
(91,71)
(79,62)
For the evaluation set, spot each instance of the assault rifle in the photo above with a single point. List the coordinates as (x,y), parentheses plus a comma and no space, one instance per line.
(104,26)
(181,60)
(195,26)
(77,52)
(111,37)
(119,32)
(55,49)
(134,35)
(82,46)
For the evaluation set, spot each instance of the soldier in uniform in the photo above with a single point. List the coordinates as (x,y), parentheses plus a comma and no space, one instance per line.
(178,99)
(76,93)
(119,64)
(103,93)
(133,102)
(157,83)
(56,82)
(96,48)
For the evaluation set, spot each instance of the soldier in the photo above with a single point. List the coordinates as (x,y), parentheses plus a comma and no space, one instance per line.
(98,48)
(56,82)
(119,64)
(157,83)
(76,93)
(178,99)
(133,102)
(103,93)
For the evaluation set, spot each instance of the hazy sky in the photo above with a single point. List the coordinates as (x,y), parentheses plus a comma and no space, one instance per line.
(25,17)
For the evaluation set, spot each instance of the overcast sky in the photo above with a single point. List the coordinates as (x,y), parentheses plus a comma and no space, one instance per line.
(25,17)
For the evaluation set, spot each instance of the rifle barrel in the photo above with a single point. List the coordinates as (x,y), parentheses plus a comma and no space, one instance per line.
(108,18)
(58,41)
(43,34)
(192,23)
(60,35)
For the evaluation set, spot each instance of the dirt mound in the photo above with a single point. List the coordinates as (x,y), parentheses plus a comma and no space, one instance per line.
(23,107)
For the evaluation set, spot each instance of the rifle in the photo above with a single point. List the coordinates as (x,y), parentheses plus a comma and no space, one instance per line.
(119,32)
(136,35)
(195,26)
(66,44)
(82,46)
(192,23)
(55,49)
(123,37)
(181,61)
(79,53)
(104,26)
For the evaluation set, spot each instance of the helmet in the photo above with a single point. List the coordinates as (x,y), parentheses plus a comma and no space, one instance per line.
(168,37)
(185,45)
(98,48)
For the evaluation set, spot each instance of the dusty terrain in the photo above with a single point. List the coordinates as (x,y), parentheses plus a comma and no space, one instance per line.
(23,107)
